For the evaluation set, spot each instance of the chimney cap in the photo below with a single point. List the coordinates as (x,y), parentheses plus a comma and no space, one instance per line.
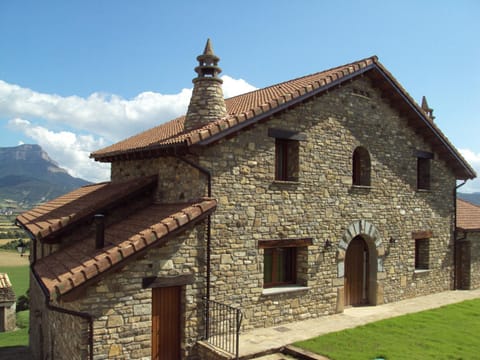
(207,62)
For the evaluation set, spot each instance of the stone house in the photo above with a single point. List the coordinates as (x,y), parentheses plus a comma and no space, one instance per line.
(468,245)
(8,320)
(289,202)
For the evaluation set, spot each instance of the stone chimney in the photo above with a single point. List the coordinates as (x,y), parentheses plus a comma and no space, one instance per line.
(207,103)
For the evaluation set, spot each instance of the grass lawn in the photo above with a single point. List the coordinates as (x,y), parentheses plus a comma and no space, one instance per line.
(450,332)
(18,337)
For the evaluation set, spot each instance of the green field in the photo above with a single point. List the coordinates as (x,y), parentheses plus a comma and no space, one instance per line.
(450,332)
(18,337)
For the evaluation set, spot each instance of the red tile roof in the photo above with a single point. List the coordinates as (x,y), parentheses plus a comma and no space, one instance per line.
(239,108)
(6,290)
(67,210)
(248,108)
(81,262)
(468,215)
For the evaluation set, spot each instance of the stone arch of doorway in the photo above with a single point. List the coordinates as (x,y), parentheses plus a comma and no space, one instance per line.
(369,233)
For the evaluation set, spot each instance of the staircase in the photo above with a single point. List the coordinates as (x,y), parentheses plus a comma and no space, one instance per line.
(290,352)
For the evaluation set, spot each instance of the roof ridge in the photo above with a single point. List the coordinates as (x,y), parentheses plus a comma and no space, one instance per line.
(374,59)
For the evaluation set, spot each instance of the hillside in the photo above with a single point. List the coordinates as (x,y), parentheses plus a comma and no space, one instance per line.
(29,176)
(474,198)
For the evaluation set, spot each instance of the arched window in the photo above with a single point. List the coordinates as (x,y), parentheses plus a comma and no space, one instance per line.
(361,167)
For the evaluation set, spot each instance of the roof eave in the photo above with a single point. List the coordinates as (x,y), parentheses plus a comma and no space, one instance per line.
(283,106)
(469,173)
(74,291)
(141,153)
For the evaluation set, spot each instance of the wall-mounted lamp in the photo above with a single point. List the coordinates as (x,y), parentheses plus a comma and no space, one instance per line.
(21,247)
(391,242)
(328,244)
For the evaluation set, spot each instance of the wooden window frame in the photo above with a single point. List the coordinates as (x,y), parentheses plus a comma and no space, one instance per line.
(287,153)
(289,271)
(420,252)
(290,245)
(424,171)
(286,159)
(361,167)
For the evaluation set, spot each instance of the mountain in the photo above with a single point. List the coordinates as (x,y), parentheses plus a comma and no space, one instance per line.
(474,198)
(29,176)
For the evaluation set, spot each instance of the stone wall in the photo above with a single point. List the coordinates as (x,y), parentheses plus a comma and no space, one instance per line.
(468,248)
(53,334)
(8,316)
(208,352)
(122,307)
(323,204)
(177,180)
(474,260)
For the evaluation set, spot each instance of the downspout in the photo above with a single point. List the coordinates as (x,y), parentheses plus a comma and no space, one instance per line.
(46,293)
(208,174)
(455,233)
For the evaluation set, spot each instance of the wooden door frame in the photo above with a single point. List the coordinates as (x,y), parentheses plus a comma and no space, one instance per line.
(176,292)
(364,260)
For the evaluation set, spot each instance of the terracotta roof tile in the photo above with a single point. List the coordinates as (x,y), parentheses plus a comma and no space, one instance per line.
(240,108)
(468,215)
(66,210)
(80,262)
(6,291)
(249,106)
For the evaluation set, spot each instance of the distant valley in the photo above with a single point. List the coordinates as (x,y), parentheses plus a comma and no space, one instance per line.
(28,176)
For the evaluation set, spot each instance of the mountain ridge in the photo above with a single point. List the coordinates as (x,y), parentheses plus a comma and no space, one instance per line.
(29,176)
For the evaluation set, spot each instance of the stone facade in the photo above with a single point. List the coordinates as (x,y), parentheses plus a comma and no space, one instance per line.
(54,334)
(322,205)
(120,307)
(321,210)
(468,250)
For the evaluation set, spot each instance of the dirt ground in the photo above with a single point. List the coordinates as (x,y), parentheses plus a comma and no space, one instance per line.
(10,258)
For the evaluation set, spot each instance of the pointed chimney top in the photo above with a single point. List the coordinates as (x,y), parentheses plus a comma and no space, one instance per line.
(208,48)
(207,63)
(207,103)
(428,110)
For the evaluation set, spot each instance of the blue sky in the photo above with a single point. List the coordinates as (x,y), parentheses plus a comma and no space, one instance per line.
(78,75)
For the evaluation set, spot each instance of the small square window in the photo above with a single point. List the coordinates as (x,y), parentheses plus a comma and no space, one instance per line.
(422,254)
(279,266)
(286,160)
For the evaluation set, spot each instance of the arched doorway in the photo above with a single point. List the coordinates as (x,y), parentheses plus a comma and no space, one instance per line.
(357,272)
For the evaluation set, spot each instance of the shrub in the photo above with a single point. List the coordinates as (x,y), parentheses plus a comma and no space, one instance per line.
(23,302)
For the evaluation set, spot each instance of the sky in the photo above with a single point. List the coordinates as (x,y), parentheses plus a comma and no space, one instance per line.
(76,76)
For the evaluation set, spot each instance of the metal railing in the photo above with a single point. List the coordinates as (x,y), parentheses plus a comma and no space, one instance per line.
(222,328)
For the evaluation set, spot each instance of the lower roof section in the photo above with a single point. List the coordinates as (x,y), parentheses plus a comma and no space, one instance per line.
(82,263)
(48,219)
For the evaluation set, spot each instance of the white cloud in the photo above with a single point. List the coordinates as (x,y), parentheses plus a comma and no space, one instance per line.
(69,150)
(474,160)
(105,118)
(233,87)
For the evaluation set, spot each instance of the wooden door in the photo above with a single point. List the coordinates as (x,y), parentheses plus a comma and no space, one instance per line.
(356,272)
(166,323)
